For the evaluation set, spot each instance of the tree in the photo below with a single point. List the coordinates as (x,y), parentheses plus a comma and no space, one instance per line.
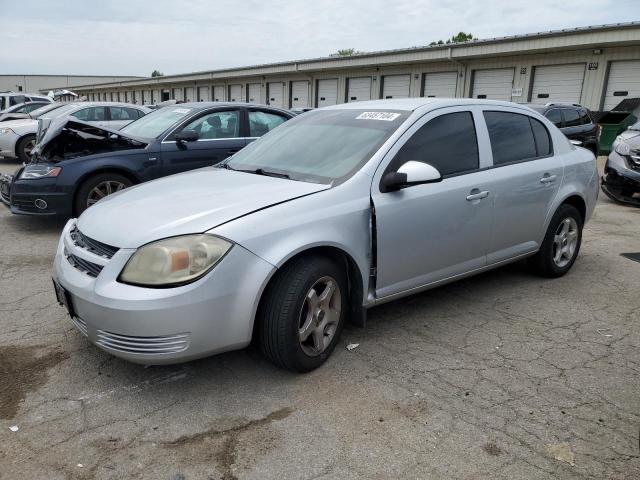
(345,52)
(157,73)
(459,38)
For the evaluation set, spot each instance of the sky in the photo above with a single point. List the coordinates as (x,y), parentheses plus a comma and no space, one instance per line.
(135,37)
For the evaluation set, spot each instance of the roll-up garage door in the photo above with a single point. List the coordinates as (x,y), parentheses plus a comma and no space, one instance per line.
(204,94)
(495,84)
(358,89)
(440,84)
(218,94)
(275,94)
(235,93)
(557,83)
(177,94)
(623,82)
(395,86)
(327,92)
(253,93)
(190,94)
(299,94)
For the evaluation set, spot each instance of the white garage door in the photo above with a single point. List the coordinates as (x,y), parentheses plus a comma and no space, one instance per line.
(204,94)
(253,90)
(495,84)
(359,89)
(190,94)
(299,94)
(441,84)
(218,93)
(395,86)
(327,92)
(557,83)
(276,94)
(177,94)
(235,93)
(624,82)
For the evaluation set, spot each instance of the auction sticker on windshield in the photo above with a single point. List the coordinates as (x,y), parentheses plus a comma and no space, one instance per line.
(384,116)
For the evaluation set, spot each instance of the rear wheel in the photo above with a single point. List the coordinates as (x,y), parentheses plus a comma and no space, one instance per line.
(561,243)
(97,187)
(303,312)
(24,147)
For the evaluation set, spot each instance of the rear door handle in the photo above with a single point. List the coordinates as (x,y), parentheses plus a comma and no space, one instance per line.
(477,195)
(548,178)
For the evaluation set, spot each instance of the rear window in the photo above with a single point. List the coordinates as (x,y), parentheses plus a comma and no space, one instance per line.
(572,118)
(515,137)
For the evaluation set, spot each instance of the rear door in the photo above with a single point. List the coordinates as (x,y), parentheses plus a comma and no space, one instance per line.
(525,177)
(220,134)
(429,233)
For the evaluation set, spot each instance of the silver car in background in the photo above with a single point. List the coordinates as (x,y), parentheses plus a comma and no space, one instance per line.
(336,211)
(18,137)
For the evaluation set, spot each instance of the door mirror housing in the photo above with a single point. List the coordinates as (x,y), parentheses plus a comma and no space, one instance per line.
(577,143)
(409,174)
(187,136)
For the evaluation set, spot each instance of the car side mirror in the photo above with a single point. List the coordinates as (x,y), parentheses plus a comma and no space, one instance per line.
(187,136)
(409,174)
(577,143)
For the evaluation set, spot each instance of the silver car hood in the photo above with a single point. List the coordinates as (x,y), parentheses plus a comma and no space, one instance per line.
(191,202)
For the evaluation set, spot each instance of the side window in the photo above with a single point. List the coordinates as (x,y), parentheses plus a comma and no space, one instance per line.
(225,124)
(585,119)
(15,100)
(263,122)
(447,142)
(542,138)
(90,114)
(134,113)
(511,137)
(571,118)
(555,117)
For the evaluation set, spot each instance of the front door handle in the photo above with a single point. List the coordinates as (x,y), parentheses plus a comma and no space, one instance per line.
(476,194)
(548,178)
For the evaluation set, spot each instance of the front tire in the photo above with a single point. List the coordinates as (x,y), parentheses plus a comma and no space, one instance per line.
(98,187)
(24,147)
(561,243)
(303,312)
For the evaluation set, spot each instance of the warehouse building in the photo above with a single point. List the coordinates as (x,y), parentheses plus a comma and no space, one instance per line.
(595,66)
(44,83)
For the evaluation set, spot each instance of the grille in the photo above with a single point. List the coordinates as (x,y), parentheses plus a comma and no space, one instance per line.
(151,345)
(91,269)
(80,325)
(93,246)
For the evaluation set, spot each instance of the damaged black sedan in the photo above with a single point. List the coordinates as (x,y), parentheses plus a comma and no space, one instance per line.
(75,164)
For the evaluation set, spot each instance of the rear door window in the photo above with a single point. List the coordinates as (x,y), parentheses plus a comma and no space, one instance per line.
(447,142)
(220,124)
(571,118)
(555,117)
(263,122)
(91,114)
(511,137)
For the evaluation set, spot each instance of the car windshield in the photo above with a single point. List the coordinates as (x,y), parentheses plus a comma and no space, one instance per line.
(322,146)
(155,123)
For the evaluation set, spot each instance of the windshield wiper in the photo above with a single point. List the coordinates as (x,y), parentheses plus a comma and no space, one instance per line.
(258,171)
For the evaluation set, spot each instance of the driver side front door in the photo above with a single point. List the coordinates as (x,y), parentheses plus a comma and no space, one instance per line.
(433,232)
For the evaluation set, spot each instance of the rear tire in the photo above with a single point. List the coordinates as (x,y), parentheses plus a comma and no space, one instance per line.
(561,243)
(24,147)
(97,187)
(302,313)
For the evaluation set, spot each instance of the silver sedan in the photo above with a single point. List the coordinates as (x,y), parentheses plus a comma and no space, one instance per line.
(328,215)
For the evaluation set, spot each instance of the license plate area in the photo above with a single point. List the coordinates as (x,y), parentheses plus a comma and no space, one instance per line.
(64,298)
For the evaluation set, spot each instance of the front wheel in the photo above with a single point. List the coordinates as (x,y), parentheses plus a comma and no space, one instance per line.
(97,187)
(303,312)
(561,243)
(24,147)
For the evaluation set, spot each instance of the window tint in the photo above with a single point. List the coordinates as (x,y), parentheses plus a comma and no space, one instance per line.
(216,125)
(571,118)
(447,142)
(542,138)
(511,137)
(263,122)
(91,114)
(555,117)
(584,117)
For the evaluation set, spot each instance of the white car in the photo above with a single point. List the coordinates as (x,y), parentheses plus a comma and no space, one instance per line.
(18,137)
(9,99)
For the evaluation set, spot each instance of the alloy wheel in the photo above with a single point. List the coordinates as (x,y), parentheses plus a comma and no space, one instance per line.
(319,316)
(565,242)
(102,190)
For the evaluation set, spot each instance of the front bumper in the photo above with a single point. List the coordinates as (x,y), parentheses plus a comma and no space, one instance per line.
(620,180)
(26,195)
(161,326)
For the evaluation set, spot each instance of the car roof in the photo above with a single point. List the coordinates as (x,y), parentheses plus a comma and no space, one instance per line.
(203,105)
(420,102)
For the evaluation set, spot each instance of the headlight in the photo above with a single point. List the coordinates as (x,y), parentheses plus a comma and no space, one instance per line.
(40,170)
(623,148)
(174,261)
(4,131)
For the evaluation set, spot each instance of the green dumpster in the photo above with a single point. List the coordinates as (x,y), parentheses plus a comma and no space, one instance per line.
(616,121)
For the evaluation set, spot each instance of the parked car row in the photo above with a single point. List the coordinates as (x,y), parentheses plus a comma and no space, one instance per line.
(325,215)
